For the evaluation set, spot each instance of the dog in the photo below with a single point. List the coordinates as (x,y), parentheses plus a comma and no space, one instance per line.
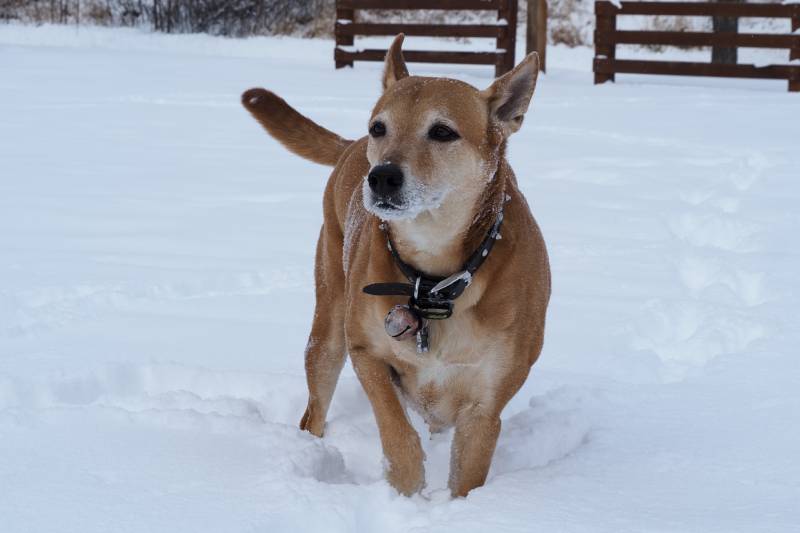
(412,206)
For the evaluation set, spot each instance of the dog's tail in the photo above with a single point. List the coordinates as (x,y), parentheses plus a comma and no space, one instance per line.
(299,134)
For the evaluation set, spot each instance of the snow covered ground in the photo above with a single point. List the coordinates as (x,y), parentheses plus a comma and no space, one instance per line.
(156,253)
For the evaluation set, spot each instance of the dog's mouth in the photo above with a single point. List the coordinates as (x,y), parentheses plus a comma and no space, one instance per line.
(404,205)
(387,209)
(385,205)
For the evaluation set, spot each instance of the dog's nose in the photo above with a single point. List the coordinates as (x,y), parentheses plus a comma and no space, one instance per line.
(385,180)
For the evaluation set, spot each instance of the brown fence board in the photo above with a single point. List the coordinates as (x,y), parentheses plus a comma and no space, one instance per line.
(685,68)
(672,38)
(504,32)
(607,37)
(469,5)
(429,30)
(420,56)
(699,9)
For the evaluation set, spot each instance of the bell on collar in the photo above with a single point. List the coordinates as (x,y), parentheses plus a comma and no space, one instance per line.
(402,322)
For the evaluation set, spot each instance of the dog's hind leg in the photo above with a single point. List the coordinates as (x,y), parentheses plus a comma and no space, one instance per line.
(325,351)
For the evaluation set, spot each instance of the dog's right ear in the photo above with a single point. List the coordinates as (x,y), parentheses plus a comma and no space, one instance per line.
(394,67)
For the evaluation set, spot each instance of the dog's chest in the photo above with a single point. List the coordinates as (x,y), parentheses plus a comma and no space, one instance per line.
(462,367)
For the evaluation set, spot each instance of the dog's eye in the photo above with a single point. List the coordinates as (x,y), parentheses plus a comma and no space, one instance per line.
(378,129)
(441,133)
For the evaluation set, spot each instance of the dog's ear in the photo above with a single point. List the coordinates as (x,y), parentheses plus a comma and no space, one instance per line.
(395,67)
(510,94)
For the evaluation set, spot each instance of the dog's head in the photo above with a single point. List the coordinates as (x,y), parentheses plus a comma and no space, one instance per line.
(436,140)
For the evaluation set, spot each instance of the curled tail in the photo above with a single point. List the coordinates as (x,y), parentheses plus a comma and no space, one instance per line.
(299,134)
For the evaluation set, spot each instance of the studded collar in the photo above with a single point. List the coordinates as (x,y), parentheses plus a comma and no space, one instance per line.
(432,297)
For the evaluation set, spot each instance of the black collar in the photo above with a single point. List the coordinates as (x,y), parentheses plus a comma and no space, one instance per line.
(432,297)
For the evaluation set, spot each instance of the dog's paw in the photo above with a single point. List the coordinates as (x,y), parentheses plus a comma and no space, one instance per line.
(311,423)
(406,471)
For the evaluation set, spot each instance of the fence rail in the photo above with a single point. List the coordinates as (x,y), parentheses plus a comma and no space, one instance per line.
(504,32)
(698,9)
(607,37)
(427,30)
(452,5)
(672,38)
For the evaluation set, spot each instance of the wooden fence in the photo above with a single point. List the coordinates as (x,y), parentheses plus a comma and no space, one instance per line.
(607,37)
(536,31)
(504,31)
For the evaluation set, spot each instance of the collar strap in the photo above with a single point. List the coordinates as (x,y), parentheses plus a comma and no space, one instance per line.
(432,296)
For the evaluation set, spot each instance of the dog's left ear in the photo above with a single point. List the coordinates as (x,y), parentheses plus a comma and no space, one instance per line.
(510,94)
(394,66)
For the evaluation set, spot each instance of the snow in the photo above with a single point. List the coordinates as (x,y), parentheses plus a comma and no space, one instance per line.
(156,292)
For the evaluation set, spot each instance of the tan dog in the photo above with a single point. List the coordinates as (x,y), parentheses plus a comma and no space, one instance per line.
(434,169)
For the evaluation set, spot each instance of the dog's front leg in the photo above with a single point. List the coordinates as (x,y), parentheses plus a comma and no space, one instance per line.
(476,435)
(401,444)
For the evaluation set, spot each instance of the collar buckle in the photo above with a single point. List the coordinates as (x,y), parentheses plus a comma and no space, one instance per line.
(464,277)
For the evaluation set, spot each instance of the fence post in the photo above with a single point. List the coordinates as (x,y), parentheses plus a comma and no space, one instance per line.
(345,13)
(726,55)
(511,52)
(536,34)
(606,24)
(508,37)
